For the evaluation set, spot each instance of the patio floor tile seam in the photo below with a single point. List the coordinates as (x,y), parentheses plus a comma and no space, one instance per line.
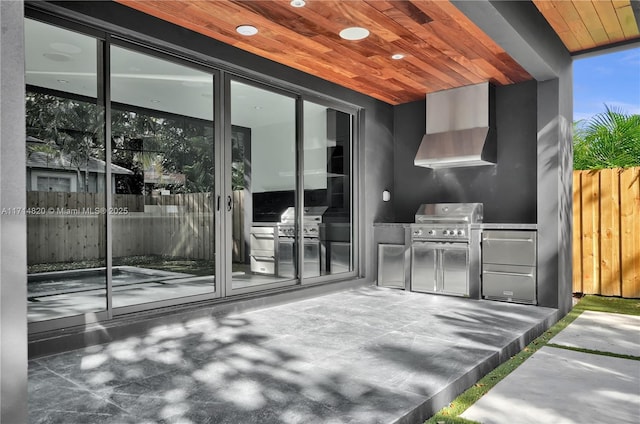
(100,391)
(82,389)
(78,386)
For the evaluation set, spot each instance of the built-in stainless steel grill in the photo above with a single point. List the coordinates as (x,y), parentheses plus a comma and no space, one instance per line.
(445,221)
(445,255)
(312,218)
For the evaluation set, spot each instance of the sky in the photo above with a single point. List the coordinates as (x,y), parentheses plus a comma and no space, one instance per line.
(612,79)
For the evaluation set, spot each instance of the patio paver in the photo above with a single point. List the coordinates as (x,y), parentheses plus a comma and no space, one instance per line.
(366,355)
(605,332)
(561,386)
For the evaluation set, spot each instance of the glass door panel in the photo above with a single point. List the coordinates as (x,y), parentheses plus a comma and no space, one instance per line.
(65,159)
(263,187)
(163,223)
(327,187)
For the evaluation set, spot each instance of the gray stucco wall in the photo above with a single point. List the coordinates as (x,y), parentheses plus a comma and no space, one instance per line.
(555,197)
(13,230)
(507,190)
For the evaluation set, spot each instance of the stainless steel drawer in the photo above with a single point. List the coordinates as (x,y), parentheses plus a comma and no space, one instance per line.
(512,283)
(509,247)
(263,264)
(270,253)
(262,238)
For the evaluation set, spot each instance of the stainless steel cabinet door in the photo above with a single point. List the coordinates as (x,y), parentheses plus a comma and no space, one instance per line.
(455,270)
(391,265)
(424,269)
(286,258)
(339,257)
(311,258)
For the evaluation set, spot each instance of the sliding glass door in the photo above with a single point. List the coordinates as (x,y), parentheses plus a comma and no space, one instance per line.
(261,137)
(163,188)
(153,180)
(327,149)
(66,185)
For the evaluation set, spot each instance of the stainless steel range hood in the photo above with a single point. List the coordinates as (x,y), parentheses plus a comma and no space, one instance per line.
(459,128)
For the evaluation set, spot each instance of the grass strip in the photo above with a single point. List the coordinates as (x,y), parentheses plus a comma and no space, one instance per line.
(614,305)
(450,414)
(595,352)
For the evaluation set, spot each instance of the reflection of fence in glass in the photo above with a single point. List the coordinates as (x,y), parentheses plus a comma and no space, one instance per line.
(178,225)
(606,232)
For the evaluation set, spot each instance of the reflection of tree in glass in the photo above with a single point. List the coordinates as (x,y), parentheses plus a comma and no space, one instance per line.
(72,127)
(179,146)
(237,160)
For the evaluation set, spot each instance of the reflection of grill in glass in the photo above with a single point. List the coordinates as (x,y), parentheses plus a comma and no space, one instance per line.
(444,256)
(312,218)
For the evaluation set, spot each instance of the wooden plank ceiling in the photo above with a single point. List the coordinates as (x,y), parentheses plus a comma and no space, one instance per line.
(585,25)
(442,48)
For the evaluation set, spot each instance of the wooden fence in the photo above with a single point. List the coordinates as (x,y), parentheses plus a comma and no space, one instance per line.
(65,227)
(606,232)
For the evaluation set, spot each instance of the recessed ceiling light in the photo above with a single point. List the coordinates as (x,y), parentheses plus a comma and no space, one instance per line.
(57,57)
(354,33)
(298,3)
(63,81)
(397,56)
(154,100)
(247,30)
(65,48)
(193,83)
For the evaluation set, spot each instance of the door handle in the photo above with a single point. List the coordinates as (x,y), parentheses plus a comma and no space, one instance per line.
(218,204)
(229,204)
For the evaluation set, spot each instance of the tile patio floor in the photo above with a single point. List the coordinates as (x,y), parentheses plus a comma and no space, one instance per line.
(365,355)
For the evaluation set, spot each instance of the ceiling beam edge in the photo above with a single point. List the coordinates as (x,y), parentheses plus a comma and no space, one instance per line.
(521,30)
(611,48)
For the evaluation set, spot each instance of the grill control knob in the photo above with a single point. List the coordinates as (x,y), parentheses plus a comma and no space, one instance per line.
(432,232)
(417,232)
(460,232)
(445,232)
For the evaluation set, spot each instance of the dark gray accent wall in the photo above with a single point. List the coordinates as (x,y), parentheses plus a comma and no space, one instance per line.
(507,189)
(13,222)
(378,176)
(376,142)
